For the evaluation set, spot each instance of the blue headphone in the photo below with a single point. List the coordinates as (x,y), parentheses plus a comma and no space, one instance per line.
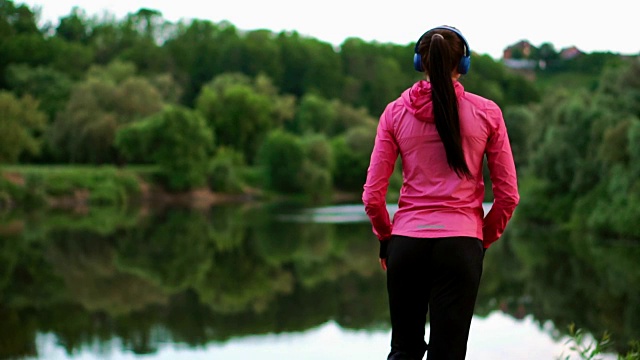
(465,60)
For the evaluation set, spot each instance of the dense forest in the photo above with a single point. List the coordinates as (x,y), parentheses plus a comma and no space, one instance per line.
(102,102)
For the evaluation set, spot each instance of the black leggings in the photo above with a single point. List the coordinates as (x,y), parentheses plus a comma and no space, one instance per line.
(442,276)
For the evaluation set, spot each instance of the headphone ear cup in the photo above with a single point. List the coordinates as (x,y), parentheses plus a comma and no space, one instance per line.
(417,62)
(463,66)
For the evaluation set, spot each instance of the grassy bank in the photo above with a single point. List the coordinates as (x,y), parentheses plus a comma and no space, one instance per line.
(60,186)
(77,187)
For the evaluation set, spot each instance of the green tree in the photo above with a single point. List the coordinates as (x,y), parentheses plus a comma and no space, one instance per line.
(21,124)
(323,74)
(196,49)
(348,116)
(548,53)
(49,86)
(241,111)
(295,60)
(352,153)
(110,97)
(261,55)
(634,150)
(20,39)
(143,33)
(225,172)
(519,121)
(16,19)
(313,115)
(373,78)
(135,38)
(74,27)
(281,156)
(317,169)
(178,140)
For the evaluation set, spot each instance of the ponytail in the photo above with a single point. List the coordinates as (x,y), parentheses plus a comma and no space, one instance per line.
(439,65)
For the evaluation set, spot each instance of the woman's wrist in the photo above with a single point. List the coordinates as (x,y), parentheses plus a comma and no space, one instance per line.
(383,248)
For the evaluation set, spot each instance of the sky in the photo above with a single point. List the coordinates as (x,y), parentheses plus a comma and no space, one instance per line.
(488,25)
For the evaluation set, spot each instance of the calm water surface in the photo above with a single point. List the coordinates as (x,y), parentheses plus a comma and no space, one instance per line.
(279,282)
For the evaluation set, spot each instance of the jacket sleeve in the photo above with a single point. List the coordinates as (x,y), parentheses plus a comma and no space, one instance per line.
(504,181)
(381,165)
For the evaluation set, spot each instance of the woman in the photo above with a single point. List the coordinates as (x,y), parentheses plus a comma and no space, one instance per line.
(433,249)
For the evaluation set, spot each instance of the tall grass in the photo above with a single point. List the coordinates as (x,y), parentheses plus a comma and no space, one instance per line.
(595,349)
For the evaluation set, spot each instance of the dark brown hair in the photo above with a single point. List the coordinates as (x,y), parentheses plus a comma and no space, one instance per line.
(441,51)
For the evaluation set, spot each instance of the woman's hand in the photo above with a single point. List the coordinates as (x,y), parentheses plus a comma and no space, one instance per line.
(383,264)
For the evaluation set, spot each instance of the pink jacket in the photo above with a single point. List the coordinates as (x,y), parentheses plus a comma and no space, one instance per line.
(434,201)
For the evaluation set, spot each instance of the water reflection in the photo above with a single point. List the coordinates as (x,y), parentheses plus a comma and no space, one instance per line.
(179,276)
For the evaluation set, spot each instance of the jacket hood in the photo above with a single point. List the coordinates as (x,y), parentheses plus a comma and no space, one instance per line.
(417,99)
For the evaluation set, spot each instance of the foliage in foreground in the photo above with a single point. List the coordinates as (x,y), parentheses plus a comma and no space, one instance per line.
(589,350)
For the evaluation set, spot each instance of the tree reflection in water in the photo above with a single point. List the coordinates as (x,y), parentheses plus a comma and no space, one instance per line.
(190,277)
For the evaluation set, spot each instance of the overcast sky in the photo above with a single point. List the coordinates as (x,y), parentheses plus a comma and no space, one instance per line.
(488,25)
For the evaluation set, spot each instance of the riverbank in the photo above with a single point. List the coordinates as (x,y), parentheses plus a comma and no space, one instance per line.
(78,188)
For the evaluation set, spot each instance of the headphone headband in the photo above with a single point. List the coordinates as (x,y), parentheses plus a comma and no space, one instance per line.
(465,61)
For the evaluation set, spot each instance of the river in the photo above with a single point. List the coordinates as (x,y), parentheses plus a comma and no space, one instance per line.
(281,281)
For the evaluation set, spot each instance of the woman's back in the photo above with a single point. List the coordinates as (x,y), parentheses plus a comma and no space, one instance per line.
(434,200)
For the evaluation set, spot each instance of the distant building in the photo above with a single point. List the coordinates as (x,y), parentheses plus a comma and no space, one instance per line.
(517,56)
(520,50)
(570,53)
(523,56)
